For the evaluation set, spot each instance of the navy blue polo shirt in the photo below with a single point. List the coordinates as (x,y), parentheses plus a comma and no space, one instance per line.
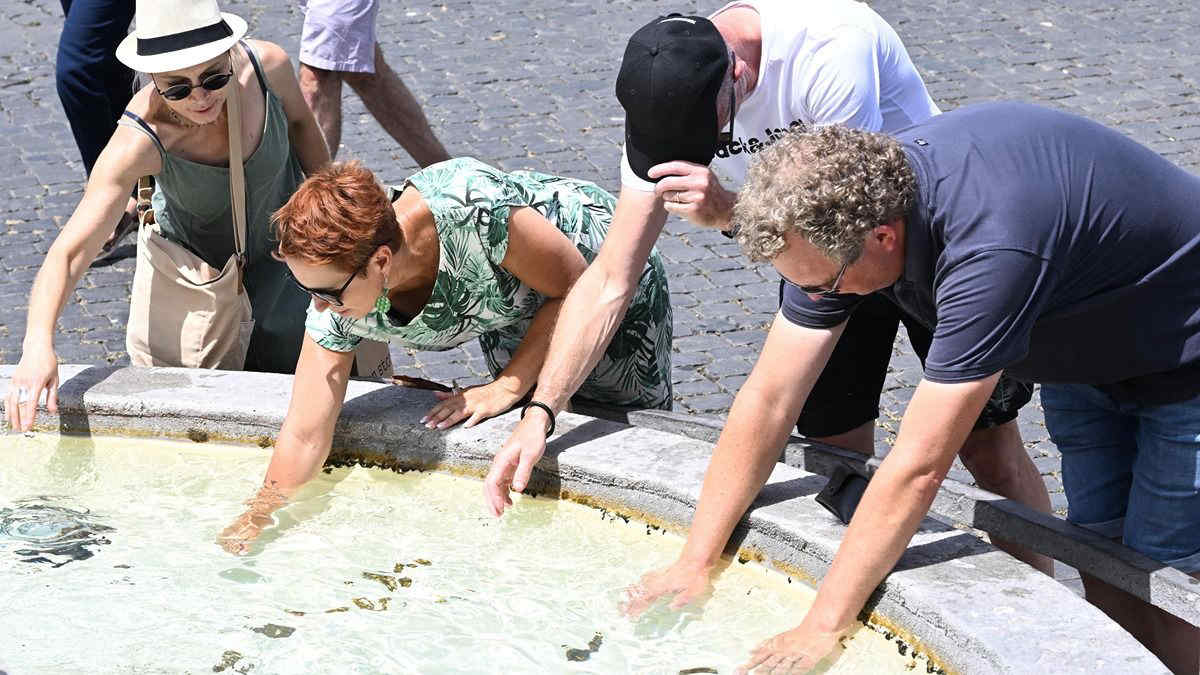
(1048,246)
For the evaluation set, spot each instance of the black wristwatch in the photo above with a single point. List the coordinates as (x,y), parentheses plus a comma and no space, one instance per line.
(543,406)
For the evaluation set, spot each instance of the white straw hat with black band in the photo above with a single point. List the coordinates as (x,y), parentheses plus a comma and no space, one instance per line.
(177,34)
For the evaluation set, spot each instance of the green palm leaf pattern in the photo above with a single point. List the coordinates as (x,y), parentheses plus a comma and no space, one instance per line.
(474,297)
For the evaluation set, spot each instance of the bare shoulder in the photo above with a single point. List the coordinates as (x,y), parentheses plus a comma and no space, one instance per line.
(272,56)
(140,103)
(129,154)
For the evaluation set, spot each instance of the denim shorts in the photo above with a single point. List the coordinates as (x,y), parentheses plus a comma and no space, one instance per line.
(339,35)
(1130,471)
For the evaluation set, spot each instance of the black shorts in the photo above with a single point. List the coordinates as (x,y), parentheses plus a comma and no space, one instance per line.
(846,396)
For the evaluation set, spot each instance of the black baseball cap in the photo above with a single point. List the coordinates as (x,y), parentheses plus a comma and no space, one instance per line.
(668,83)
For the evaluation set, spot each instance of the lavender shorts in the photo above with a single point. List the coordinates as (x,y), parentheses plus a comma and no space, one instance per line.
(339,35)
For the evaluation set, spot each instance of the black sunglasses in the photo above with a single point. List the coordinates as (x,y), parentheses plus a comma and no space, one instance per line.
(325,295)
(178,92)
(726,137)
(821,290)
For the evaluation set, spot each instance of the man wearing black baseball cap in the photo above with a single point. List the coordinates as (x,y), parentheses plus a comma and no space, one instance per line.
(701,97)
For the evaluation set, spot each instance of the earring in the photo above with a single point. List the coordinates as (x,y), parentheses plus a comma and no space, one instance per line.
(383,303)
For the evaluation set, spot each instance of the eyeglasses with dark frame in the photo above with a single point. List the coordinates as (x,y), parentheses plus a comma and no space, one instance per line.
(211,82)
(326,295)
(820,290)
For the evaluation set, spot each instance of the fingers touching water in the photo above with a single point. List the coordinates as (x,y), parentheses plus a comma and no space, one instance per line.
(683,583)
(513,465)
(37,373)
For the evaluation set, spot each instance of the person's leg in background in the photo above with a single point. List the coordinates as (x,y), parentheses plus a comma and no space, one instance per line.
(322,90)
(398,112)
(1132,476)
(87,74)
(91,81)
(338,44)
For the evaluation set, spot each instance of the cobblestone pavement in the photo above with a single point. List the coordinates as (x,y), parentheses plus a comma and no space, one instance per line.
(528,84)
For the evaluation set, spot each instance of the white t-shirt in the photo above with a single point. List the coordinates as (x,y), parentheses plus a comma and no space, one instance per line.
(823,62)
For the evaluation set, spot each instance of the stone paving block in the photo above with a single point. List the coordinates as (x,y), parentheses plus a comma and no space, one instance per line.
(682,360)
(529,84)
(696,388)
(723,366)
(733,383)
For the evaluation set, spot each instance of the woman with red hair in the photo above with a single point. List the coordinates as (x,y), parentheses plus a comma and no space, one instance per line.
(460,251)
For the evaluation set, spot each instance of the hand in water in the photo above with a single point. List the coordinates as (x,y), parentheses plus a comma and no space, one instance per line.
(238,537)
(797,651)
(36,372)
(513,465)
(685,581)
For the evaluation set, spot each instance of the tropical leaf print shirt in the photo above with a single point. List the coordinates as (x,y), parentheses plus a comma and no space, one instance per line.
(475,297)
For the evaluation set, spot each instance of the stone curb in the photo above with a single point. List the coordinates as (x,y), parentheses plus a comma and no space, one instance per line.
(953,598)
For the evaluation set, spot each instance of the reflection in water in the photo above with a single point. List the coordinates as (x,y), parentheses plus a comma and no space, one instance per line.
(54,534)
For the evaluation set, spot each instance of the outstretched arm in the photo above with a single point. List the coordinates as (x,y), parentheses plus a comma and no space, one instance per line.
(129,155)
(900,493)
(759,424)
(587,321)
(304,440)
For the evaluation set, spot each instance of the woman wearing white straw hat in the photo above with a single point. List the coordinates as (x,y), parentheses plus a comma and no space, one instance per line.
(206,292)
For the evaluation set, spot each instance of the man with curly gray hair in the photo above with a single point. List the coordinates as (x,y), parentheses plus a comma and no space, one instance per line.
(832,187)
(1032,243)
(702,96)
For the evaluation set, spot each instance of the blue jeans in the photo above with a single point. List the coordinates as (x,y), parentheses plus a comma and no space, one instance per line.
(93,85)
(1130,471)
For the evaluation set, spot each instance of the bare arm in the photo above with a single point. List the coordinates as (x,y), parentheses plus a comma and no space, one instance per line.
(303,131)
(899,495)
(760,421)
(129,155)
(587,321)
(307,432)
(544,259)
(304,439)
(759,424)
(597,302)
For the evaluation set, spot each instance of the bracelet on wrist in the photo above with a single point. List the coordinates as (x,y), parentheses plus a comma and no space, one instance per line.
(543,406)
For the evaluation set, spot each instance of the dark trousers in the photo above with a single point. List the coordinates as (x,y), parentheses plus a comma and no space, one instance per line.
(93,85)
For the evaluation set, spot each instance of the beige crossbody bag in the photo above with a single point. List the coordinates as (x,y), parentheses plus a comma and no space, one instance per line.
(183,311)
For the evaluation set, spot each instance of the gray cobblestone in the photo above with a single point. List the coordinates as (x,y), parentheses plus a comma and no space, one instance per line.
(529,85)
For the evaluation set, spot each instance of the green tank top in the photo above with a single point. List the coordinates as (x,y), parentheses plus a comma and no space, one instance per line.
(192,208)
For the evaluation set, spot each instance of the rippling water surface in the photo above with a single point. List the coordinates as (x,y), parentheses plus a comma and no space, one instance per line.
(108,562)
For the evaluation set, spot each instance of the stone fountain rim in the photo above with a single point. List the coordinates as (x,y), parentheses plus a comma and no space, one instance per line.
(962,604)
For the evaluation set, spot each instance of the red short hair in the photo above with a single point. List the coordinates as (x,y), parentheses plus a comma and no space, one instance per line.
(340,215)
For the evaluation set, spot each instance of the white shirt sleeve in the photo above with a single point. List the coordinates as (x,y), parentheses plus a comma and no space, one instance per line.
(631,180)
(843,83)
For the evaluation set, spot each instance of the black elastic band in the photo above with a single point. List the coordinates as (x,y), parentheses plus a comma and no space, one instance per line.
(188,38)
(543,406)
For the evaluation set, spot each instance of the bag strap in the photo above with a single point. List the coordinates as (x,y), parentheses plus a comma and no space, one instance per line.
(237,175)
(145,210)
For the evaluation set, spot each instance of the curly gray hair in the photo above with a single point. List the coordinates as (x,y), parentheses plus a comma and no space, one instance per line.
(831,186)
